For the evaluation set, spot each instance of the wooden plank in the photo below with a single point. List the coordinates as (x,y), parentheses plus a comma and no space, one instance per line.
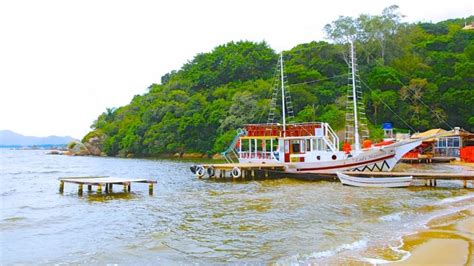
(104,180)
(81,177)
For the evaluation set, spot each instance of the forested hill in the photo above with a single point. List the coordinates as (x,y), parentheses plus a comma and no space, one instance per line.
(424,72)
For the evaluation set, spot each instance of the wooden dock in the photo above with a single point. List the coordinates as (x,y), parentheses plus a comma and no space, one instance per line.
(236,170)
(254,171)
(103,182)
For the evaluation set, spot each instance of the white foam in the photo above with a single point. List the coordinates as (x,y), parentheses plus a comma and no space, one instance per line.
(392,217)
(302,259)
(329,253)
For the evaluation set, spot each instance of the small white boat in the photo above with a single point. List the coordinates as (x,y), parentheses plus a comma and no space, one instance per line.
(403,181)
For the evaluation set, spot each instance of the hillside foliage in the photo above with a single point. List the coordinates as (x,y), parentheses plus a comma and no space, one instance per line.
(418,75)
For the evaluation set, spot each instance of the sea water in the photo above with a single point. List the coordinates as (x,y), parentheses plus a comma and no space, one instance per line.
(189,220)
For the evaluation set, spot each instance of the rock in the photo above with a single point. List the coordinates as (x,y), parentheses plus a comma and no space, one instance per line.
(94,145)
(77,148)
(130,155)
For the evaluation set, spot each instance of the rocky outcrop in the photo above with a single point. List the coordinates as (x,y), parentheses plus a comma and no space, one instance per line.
(94,146)
(77,148)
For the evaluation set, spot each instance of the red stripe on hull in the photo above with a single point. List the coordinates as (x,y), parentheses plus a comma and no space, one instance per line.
(346,165)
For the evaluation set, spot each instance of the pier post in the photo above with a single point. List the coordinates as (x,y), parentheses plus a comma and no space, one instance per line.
(111,187)
(79,189)
(106,188)
(124,187)
(434,181)
(150,188)
(129,187)
(99,189)
(89,187)
(61,186)
(465,183)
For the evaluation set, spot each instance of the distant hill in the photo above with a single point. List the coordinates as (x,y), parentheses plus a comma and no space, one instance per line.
(10,138)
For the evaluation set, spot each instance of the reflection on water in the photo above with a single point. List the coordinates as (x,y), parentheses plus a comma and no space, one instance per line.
(191,220)
(94,197)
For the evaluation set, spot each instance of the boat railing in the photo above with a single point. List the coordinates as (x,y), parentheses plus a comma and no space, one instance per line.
(256,155)
(332,140)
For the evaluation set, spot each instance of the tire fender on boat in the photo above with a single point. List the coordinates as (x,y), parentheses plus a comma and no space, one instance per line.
(193,169)
(200,171)
(211,171)
(236,172)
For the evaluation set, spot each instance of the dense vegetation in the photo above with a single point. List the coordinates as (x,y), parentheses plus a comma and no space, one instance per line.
(424,72)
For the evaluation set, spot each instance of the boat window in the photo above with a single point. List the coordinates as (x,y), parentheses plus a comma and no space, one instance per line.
(295,146)
(308,145)
(245,145)
(258,145)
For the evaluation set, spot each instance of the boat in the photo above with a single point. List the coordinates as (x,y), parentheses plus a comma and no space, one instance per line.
(388,182)
(313,147)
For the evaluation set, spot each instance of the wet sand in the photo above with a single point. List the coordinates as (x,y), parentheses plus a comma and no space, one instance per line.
(448,240)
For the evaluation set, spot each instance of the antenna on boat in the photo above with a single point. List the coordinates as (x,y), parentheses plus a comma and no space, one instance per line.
(354,100)
(283,108)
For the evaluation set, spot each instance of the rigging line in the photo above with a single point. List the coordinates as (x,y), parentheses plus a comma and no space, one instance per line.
(389,107)
(421,101)
(314,81)
(271,90)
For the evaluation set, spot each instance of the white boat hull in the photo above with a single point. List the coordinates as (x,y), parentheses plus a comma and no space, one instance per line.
(387,182)
(373,159)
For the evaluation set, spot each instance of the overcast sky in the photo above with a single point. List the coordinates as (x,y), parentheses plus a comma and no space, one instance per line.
(63,62)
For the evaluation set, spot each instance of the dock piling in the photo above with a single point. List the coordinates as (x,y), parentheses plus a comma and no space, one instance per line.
(61,187)
(150,188)
(89,188)
(80,189)
(99,189)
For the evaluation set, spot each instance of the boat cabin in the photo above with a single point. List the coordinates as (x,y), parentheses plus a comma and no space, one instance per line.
(294,143)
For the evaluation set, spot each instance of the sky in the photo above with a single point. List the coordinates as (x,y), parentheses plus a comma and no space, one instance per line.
(62,63)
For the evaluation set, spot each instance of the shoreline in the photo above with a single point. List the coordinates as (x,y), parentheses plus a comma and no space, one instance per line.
(447,239)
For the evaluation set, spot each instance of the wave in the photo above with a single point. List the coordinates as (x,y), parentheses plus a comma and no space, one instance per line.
(28,172)
(298,259)
(456,199)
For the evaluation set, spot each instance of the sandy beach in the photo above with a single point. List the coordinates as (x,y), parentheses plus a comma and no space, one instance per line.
(447,240)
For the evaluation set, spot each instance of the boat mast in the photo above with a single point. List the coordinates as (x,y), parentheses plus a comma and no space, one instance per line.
(283,108)
(354,97)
